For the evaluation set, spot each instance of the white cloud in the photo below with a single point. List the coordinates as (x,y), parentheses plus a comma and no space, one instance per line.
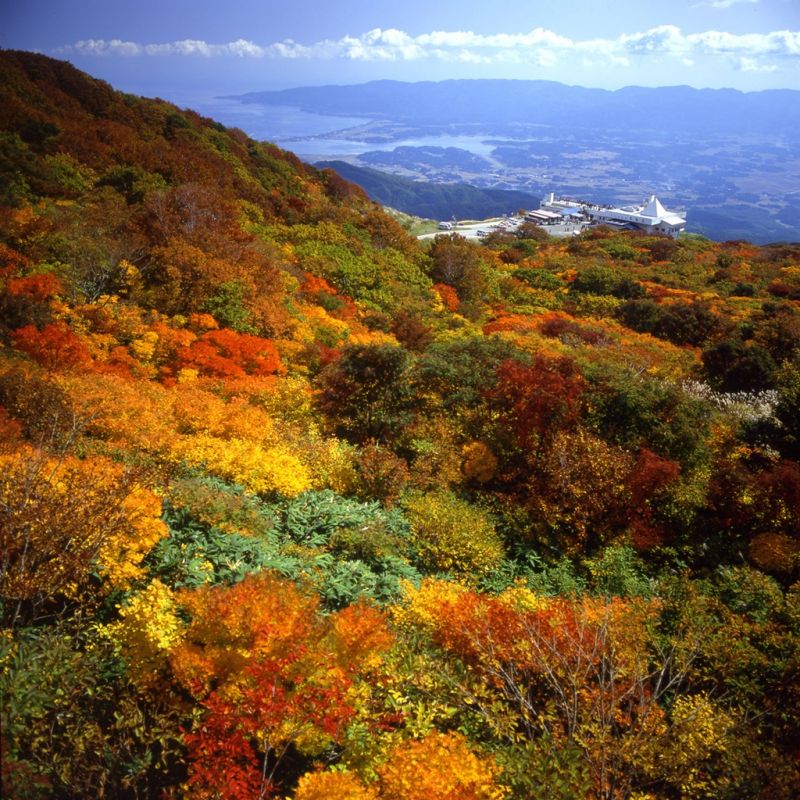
(185,47)
(539,46)
(101,47)
(661,39)
(729,3)
(751,65)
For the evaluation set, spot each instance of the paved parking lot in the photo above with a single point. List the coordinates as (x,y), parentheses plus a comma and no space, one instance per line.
(477,230)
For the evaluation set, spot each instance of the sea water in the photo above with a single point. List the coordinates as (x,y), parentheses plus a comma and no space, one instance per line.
(313,136)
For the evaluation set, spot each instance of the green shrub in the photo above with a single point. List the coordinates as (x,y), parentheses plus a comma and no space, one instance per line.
(346,582)
(367,392)
(313,517)
(227,307)
(539,278)
(617,571)
(596,280)
(196,553)
(450,535)
(74,726)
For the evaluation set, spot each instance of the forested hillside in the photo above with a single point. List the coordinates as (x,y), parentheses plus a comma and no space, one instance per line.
(432,200)
(291,506)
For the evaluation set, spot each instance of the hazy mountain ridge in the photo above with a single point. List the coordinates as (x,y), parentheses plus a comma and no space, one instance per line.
(671,108)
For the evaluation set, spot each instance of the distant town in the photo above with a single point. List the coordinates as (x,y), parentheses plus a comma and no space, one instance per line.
(564,216)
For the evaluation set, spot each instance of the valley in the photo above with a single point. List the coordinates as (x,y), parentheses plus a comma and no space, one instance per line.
(735,167)
(733,188)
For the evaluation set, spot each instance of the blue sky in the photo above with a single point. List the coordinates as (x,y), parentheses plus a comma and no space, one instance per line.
(174,47)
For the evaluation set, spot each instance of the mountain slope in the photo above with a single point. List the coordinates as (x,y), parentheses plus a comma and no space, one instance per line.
(291,505)
(177,196)
(432,200)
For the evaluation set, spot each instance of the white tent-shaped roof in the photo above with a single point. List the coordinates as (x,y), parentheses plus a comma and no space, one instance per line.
(654,208)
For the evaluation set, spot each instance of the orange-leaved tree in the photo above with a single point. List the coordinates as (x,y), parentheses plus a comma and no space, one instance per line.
(55,346)
(586,673)
(225,353)
(271,675)
(440,766)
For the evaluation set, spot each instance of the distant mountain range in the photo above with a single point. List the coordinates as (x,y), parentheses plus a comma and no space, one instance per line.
(440,201)
(669,109)
(731,158)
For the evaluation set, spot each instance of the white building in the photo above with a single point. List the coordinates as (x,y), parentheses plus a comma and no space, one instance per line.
(650,217)
(542,217)
(561,205)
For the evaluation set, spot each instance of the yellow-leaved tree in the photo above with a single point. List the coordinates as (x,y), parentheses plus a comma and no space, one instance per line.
(453,536)
(61,518)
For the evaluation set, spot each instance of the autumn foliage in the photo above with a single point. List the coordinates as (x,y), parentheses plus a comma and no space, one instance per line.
(62,517)
(227,354)
(538,399)
(294,505)
(55,346)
